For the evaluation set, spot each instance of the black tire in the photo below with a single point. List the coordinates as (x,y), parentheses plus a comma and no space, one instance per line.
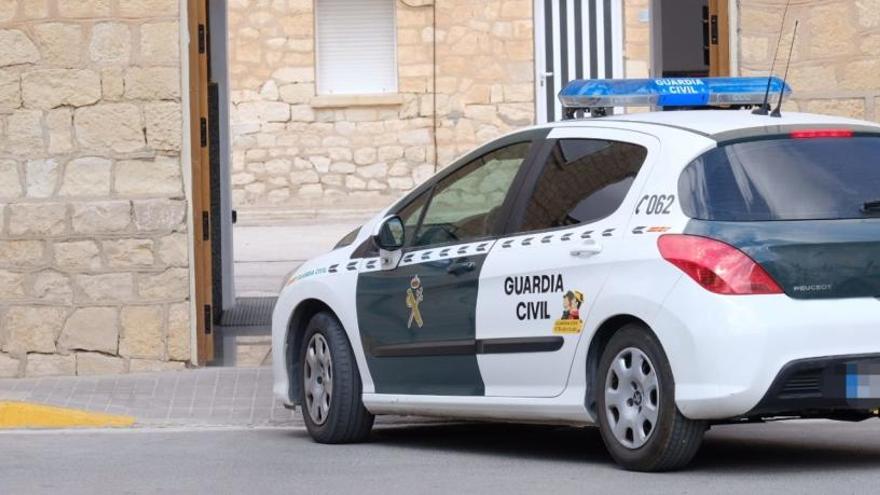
(347,420)
(673,440)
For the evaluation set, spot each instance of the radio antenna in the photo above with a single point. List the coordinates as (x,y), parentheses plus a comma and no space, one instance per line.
(776,111)
(764,109)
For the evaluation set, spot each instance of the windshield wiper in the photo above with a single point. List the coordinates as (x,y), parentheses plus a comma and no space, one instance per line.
(871,207)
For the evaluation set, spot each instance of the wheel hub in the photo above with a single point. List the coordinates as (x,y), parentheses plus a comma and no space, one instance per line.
(318,379)
(632,398)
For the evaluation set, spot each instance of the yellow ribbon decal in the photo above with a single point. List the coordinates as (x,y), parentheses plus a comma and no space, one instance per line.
(414,297)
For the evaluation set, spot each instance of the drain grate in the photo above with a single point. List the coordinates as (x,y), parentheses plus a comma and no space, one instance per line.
(249,312)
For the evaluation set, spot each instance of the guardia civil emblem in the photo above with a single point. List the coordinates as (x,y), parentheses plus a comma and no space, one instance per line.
(414,297)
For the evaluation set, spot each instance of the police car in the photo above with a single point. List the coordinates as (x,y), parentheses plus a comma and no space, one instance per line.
(652,273)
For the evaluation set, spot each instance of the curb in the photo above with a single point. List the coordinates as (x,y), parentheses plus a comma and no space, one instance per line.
(28,415)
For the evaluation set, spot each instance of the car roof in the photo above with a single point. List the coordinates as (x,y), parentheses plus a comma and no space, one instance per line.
(711,123)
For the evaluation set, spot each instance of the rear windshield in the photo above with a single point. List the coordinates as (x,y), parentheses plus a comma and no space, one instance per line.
(784,179)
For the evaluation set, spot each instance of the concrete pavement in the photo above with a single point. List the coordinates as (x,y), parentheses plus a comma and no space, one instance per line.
(782,458)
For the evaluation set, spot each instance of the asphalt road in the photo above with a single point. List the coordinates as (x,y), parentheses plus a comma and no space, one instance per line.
(796,457)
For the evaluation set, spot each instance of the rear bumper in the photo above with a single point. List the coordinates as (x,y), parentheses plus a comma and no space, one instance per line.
(823,386)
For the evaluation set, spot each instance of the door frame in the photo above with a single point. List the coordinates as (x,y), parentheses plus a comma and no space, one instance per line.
(200,186)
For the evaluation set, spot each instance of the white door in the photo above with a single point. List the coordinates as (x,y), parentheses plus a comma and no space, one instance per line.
(574,39)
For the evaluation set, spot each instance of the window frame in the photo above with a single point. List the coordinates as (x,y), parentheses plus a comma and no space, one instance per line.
(395,62)
(516,219)
(535,138)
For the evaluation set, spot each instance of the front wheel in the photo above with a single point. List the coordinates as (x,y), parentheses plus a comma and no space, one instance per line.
(332,406)
(639,421)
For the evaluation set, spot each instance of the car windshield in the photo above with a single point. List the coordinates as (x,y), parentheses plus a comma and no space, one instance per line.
(785,179)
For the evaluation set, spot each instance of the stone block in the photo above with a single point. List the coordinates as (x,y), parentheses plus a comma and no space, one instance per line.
(77,255)
(140,177)
(11,285)
(93,363)
(84,8)
(297,93)
(173,250)
(10,367)
(41,178)
(10,184)
(60,125)
(43,219)
(52,286)
(16,48)
(33,328)
(263,111)
(159,214)
(22,253)
(142,335)
(60,43)
(10,90)
(294,75)
(105,288)
(86,177)
(861,75)
(98,217)
(24,132)
(164,123)
(160,42)
(112,83)
(8,9)
(110,126)
(179,334)
(91,329)
(173,283)
(128,253)
(111,43)
(148,8)
(152,83)
(50,365)
(50,88)
(365,156)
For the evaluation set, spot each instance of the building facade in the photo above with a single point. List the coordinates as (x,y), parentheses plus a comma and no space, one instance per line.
(96,220)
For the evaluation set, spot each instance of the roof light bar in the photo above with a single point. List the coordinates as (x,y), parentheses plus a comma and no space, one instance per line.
(669,92)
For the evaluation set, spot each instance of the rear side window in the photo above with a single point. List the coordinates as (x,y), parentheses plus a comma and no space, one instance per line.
(583,180)
(783,179)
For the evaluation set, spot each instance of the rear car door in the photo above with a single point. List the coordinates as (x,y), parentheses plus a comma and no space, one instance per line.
(417,320)
(566,234)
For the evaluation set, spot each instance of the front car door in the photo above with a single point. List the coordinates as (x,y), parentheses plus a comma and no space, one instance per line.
(417,320)
(565,235)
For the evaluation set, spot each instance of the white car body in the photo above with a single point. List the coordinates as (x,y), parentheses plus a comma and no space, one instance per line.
(725,351)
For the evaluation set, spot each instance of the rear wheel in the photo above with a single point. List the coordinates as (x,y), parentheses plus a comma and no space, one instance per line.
(640,423)
(332,406)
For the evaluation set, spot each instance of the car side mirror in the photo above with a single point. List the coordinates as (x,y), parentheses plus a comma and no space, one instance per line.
(389,235)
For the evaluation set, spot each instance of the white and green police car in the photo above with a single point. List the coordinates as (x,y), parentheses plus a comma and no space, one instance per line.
(652,273)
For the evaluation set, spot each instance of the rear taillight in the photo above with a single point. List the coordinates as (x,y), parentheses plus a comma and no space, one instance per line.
(716,266)
(821,133)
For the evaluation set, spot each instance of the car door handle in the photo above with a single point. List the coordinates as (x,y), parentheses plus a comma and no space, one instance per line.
(459,267)
(590,248)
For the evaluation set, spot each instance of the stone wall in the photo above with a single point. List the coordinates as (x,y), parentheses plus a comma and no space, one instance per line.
(94,273)
(294,147)
(835,66)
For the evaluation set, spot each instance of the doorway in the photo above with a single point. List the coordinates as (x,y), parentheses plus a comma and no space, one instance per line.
(690,38)
(222,319)
(574,39)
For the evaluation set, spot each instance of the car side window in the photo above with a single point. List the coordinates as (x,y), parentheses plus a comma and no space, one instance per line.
(583,180)
(465,204)
(411,214)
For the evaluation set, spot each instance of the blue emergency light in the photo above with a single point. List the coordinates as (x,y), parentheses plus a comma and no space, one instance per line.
(592,94)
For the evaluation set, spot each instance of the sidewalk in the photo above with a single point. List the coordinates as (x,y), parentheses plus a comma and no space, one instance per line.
(198,397)
(268,244)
